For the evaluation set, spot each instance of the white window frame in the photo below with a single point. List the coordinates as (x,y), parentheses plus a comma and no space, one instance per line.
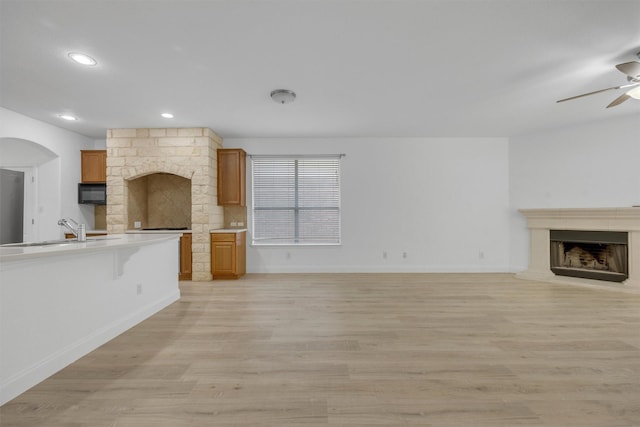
(297,239)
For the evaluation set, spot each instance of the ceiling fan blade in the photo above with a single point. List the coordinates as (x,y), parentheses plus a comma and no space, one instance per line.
(599,91)
(619,100)
(631,69)
(590,93)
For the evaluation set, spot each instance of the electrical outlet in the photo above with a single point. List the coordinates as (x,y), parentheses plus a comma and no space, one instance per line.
(241,224)
(139,289)
(137,224)
(234,224)
(384,255)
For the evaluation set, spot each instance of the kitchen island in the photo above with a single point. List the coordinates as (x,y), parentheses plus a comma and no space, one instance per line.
(185,252)
(60,301)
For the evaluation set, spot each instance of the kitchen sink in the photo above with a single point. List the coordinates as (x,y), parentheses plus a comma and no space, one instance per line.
(63,242)
(45,243)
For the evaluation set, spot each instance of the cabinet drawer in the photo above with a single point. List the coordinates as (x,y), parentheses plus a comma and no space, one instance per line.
(223,237)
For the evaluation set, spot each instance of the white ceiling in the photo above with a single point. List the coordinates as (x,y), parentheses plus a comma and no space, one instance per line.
(359,68)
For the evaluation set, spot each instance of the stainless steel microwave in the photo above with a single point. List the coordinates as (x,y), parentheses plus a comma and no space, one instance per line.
(92,194)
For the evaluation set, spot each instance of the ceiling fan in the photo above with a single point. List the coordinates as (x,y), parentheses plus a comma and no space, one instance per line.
(632,70)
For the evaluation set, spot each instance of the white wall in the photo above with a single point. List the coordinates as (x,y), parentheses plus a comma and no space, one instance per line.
(58,178)
(100,144)
(449,203)
(596,165)
(443,201)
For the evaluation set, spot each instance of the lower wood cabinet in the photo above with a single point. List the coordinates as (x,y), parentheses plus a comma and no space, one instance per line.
(228,255)
(185,257)
(71,236)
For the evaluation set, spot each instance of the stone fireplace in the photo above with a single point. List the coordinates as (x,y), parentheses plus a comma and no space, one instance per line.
(165,178)
(585,246)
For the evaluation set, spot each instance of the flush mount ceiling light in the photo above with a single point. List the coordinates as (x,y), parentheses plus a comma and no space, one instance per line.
(167,115)
(283,96)
(68,117)
(83,59)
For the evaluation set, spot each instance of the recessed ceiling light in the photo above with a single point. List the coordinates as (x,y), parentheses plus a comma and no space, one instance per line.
(83,59)
(68,117)
(167,115)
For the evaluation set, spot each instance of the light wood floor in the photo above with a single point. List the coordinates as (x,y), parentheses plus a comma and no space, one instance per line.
(359,350)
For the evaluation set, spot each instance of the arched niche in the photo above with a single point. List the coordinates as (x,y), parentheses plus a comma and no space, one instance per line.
(159,200)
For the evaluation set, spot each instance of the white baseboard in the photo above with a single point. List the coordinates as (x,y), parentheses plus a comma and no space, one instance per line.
(36,373)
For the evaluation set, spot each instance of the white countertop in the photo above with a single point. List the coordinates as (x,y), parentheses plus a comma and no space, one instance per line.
(141,231)
(70,247)
(228,230)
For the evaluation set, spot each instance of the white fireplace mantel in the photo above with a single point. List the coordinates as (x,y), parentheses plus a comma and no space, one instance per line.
(541,221)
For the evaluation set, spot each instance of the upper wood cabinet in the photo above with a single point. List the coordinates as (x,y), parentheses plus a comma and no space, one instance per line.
(232,176)
(94,165)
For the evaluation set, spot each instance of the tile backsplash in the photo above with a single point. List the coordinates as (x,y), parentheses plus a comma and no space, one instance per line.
(235,215)
(160,200)
(100,217)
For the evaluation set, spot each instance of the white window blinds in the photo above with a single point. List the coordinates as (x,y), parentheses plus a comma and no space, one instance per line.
(296,200)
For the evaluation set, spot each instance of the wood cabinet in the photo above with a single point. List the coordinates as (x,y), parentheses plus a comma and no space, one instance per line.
(71,236)
(228,255)
(232,164)
(94,166)
(185,257)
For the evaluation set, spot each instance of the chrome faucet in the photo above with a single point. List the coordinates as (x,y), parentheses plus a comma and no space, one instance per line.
(78,230)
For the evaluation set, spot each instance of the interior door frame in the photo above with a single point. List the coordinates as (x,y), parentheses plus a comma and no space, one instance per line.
(29,223)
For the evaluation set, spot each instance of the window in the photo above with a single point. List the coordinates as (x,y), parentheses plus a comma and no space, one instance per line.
(296,200)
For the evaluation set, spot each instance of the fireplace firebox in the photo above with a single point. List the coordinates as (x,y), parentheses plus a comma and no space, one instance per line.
(624,220)
(598,255)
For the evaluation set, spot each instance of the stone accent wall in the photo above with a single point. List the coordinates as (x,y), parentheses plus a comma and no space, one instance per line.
(187,152)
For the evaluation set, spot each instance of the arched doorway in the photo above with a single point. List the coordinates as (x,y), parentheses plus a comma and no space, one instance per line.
(39,167)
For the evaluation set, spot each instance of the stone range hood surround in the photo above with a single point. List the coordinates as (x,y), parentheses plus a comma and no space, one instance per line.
(186,152)
(541,221)
(159,200)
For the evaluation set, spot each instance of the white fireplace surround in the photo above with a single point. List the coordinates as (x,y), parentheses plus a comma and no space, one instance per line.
(541,221)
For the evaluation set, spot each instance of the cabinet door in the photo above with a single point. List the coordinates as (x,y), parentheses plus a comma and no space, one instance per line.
(71,236)
(241,254)
(185,257)
(94,165)
(228,255)
(231,177)
(223,259)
